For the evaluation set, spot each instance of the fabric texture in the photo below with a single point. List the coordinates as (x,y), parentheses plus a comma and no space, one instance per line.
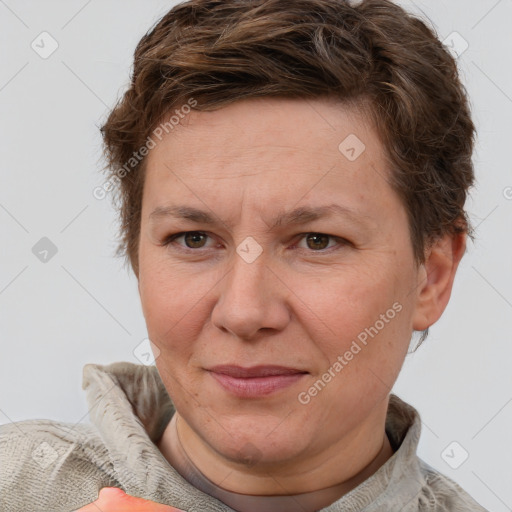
(55,466)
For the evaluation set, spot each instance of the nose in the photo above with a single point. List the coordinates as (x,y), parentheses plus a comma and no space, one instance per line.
(252,300)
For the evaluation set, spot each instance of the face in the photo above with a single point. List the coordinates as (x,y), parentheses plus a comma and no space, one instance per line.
(302,258)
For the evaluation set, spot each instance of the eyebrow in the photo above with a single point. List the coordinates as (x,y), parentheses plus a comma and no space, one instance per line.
(301,215)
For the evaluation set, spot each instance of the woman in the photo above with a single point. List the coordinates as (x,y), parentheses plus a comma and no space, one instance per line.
(291,179)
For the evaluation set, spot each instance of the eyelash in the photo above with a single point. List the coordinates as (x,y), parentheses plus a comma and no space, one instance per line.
(341,241)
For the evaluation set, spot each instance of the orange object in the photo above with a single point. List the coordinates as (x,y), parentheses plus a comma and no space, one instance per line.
(112,499)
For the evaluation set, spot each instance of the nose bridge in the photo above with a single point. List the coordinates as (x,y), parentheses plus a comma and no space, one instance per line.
(247,281)
(248,299)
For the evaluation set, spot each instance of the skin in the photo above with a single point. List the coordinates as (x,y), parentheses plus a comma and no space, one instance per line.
(298,304)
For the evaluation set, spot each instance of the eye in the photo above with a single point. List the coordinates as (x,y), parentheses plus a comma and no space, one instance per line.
(319,242)
(192,239)
(316,242)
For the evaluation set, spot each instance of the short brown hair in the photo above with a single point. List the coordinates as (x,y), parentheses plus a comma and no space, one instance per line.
(222,51)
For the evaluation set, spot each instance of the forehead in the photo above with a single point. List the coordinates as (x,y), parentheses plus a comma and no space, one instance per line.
(265,121)
(273,149)
(315,130)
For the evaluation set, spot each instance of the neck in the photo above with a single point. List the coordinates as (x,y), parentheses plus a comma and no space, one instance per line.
(344,465)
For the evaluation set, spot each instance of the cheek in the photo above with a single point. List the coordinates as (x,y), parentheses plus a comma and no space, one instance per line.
(173,302)
(172,310)
(349,301)
(368,320)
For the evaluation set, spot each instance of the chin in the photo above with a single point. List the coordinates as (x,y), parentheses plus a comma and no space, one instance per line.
(256,443)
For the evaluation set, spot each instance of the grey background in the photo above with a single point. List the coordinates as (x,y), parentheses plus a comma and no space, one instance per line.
(81,305)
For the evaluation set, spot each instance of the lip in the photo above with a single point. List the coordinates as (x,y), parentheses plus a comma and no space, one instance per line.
(255,381)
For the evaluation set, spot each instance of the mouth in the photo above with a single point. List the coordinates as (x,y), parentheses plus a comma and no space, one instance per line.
(255,381)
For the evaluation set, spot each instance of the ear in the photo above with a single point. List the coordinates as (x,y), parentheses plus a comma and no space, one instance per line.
(435,279)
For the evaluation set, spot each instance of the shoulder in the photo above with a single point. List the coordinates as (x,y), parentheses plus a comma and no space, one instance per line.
(50,465)
(442,494)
